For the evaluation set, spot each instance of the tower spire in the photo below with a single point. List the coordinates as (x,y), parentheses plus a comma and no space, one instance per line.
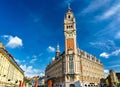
(70,31)
(57,50)
(69,7)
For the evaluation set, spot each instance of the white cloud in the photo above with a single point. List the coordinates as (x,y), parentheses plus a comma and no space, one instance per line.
(53,58)
(98,44)
(51,49)
(110,12)
(110,28)
(114,66)
(30,71)
(5,36)
(106,72)
(93,6)
(34,58)
(13,42)
(117,36)
(105,55)
(104,45)
(116,52)
(19,61)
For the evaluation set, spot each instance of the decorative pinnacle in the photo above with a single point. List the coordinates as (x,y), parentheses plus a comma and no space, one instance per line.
(58,48)
(69,6)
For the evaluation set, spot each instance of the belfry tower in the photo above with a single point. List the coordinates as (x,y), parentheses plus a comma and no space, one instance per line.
(73,67)
(72,63)
(70,31)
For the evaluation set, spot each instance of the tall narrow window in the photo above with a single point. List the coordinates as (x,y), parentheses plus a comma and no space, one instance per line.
(71,65)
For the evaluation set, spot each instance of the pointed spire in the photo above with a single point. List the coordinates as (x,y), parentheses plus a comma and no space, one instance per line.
(69,9)
(58,48)
(1,45)
(69,6)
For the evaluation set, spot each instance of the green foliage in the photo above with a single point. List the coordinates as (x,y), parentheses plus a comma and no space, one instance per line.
(26,80)
(30,83)
(119,82)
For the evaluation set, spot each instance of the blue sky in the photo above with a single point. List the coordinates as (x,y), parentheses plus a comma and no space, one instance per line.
(31,29)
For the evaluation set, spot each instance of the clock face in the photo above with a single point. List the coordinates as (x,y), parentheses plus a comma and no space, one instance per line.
(70,52)
(69,31)
(70,34)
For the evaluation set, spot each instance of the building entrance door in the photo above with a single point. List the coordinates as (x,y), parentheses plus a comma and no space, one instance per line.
(72,85)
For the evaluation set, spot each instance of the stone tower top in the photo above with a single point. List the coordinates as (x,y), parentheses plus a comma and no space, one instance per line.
(1,46)
(70,31)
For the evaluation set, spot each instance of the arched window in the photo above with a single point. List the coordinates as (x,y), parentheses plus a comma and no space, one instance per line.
(68,16)
(67,27)
(72,85)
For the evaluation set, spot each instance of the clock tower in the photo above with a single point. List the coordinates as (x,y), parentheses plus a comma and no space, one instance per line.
(71,59)
(70,31)
(74,67)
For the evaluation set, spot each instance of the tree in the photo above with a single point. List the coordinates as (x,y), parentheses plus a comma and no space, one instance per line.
(26,80)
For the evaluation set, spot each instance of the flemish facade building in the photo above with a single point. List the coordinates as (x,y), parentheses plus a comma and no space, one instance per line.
(74,67)
(11,75)
(112,79)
